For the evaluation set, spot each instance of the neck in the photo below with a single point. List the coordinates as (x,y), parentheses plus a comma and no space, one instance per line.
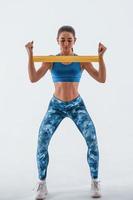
(66,53)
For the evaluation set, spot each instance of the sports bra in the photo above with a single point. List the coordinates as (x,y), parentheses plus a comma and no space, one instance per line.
(66,72)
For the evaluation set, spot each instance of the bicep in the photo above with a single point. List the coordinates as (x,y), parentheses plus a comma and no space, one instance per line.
(91,70)
(42,70)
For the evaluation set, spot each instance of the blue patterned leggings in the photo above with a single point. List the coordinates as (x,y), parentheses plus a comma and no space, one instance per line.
(57,111)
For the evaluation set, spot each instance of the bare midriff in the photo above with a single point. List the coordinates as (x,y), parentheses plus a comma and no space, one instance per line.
(66,91)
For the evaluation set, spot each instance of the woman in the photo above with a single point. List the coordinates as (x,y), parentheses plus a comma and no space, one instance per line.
(66,102)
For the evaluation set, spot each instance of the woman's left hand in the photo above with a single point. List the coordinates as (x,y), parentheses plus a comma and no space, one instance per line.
(101,49)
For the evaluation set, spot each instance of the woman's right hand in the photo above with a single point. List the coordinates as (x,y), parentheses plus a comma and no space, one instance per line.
(29,48)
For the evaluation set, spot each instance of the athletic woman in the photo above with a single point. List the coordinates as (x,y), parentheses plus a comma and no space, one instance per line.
(67,102)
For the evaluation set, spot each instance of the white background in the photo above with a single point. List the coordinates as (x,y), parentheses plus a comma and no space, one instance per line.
(23,104)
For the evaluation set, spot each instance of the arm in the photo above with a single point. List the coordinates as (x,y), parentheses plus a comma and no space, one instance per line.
(34,75)
(42,70)
(99,75)
(31,69)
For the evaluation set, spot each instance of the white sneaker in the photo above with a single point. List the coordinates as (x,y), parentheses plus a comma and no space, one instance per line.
(95,189)
(41,190)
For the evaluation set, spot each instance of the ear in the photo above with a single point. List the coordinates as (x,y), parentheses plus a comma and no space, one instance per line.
(57,40)
(75,39)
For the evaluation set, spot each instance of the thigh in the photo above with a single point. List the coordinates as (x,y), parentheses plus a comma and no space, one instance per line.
(50,122)
(83,121)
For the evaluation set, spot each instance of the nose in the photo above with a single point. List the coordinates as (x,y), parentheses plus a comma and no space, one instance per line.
(65,43)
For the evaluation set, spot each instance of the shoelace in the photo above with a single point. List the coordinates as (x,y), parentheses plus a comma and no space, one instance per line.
(96,184)
(40,185)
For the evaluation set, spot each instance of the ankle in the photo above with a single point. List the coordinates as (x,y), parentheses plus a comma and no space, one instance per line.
(42,181)
(95,179)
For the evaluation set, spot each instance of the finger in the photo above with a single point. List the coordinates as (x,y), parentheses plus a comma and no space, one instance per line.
(103,46)
(100,47)
(100,43)
(26,45)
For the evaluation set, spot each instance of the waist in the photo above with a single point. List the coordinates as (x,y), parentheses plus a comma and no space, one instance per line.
(66,91)
(65,97)
(65,105)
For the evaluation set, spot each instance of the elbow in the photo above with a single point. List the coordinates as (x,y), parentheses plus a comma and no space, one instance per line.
(32,80)
(101,78)
(103,81)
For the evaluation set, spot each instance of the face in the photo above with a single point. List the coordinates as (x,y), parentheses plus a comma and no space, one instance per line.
(66,41)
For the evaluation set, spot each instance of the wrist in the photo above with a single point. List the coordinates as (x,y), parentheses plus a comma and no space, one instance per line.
(31,55)
(100,57)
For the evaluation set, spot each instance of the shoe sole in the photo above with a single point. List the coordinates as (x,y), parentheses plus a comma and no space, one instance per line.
(42,198)
(96,196)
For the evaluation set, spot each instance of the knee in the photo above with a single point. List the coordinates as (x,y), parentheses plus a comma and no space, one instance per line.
(44,136)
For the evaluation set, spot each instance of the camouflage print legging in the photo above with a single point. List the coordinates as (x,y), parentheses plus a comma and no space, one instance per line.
(57,111)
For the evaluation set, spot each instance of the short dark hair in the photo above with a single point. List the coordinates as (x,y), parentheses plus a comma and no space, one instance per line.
(66,28)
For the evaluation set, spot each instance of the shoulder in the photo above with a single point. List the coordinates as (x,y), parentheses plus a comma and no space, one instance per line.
(47,65)
(85,65)
(82,65)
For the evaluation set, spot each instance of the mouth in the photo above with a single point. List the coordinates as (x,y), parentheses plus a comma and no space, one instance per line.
(66,48)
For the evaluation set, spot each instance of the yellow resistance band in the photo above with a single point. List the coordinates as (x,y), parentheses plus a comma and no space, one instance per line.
(65,58)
